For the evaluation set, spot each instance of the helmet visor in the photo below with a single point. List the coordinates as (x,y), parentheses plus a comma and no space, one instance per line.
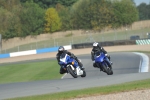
(95,48)
(61,49)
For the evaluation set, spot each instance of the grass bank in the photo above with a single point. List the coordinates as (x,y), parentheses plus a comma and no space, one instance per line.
(41,70)
(136,85)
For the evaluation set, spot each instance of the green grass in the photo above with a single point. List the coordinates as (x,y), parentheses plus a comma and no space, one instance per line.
(136,85)
(44,70)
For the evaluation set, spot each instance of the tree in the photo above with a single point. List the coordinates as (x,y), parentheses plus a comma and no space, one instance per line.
(81,14)
(133,2)
(52,3)
(10,22)
(52,19)
(64,15)
(92,14)
(32,19)
(125,12)
(9,4)
(144,13)
(103,15)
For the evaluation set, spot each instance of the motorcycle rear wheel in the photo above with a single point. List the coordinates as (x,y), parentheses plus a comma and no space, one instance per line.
(84,73)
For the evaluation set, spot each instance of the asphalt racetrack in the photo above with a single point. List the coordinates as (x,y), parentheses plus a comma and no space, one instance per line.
(126,67)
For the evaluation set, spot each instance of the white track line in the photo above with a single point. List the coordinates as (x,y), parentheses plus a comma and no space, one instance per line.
(144,62)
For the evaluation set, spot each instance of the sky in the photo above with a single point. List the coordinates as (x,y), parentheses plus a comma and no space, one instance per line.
(141,1)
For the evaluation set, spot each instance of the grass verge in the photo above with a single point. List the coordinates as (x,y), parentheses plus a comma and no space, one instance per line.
(136,85)
(42,70)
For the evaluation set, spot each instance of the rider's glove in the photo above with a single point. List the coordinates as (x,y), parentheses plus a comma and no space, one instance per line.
(106,54)
(93,61)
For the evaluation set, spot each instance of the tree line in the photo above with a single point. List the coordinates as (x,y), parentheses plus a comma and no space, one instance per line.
(20,18)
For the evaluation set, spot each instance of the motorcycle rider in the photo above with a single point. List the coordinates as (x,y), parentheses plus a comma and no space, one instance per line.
(61,50)
(97,47)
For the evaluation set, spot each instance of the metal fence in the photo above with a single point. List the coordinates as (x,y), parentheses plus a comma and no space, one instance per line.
(87,37)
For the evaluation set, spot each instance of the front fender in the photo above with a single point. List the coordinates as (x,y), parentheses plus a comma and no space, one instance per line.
(71,66)
(104,62)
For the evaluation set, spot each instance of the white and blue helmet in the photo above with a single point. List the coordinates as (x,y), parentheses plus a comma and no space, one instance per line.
(61,49)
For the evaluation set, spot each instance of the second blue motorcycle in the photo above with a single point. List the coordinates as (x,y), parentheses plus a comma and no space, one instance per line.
(103,63)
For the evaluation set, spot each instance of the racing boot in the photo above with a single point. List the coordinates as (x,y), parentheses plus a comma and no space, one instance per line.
(95,65)
(109,59)
(80,64)
(101,69)
(111,63)
(62,71)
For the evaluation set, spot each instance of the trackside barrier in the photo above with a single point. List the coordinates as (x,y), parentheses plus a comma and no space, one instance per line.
(142,42)
(106,43)
(22,53)
(53,49)
(30,52)
(39,51)
(4,55)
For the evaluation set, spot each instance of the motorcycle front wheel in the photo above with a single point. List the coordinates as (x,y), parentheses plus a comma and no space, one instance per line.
(107,69)
(72,72)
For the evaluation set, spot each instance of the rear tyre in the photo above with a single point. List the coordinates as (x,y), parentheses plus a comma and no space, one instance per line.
(84,73)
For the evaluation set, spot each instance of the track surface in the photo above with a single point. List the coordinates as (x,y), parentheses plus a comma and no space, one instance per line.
(125,67)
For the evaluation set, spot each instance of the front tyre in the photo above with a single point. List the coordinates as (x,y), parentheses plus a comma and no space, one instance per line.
(107,69)
(111,71)
(72,72)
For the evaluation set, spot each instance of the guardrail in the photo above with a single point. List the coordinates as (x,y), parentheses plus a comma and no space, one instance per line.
(142,42)
(30,52)
(107,43)
(76,46)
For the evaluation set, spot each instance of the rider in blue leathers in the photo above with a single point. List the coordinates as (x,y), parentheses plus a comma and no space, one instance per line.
(61,50)
(97,47)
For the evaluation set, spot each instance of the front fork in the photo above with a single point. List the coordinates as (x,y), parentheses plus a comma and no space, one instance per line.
(108,62)
(101,66)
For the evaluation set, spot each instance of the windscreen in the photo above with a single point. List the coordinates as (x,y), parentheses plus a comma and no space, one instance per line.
(97,53)
(62,55)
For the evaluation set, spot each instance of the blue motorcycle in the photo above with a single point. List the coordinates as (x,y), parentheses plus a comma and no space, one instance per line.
(71,66)
(103,63)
